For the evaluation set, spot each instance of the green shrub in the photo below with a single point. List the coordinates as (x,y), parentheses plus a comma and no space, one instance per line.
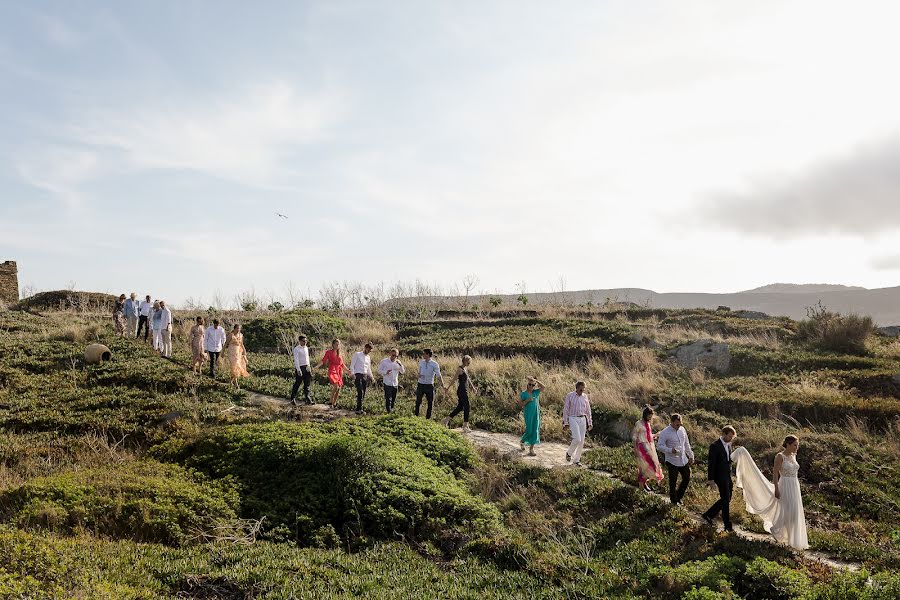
(141,501)
(767,579)
(279,330)
(835,332)
(361,483)
(715,574)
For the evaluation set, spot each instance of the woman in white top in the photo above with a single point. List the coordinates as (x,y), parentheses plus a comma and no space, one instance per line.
(779,504)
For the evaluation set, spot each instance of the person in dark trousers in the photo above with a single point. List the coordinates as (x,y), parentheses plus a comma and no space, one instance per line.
(361,366)
(302,374)
(214,341)
(674,444)
(464,384)
(144,309)
(428,371)
(719,474)
(391,369)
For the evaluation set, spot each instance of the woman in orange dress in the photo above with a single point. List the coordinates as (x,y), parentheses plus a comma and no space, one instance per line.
(236,355)
(336,367)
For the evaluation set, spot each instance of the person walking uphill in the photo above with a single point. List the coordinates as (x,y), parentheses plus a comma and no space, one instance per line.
(361,367)
(528,403)
(464,384)
(673,443)
(119,316)
(577,417)
(156,324)
(214,341)
(302,373)
(131,315)
(198,355)
(336,367)
(719,474)
(165,330)
(428,371)
(645,451)
(144,317)
(391,369)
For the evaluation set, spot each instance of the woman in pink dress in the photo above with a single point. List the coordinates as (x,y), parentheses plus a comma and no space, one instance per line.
(645,451)
(336,367)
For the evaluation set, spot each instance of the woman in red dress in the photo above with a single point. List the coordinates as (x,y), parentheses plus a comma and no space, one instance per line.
(336,367)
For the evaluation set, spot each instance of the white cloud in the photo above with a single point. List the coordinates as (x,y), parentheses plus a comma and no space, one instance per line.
(61,170)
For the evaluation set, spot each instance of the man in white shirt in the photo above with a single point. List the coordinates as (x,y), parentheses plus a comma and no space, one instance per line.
(301,371)
(390,369)
(144,317)
(577,417)
(361,366)
(214,341)
(674,444)
(165,330)
(428,370)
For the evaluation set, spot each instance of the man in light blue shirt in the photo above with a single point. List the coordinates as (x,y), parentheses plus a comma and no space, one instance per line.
(131,314)
(428,370)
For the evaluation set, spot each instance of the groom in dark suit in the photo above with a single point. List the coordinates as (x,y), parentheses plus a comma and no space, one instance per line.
(719,474)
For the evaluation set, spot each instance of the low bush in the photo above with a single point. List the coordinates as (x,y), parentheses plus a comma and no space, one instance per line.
(141,501)
(835,332)
(278,331)
(767,579)
(363,484)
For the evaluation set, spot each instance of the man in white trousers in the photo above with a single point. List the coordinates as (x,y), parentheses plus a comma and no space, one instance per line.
(165,330)
(577,417)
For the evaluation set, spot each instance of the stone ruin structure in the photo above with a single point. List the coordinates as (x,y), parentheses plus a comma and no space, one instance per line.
(9,282)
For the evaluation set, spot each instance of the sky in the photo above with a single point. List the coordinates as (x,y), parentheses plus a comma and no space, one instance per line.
(676,146)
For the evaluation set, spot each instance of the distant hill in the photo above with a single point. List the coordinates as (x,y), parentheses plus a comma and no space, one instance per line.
(780,299)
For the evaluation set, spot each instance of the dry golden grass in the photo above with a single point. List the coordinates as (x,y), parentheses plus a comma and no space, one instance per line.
(815,390)
(76,332)
(360,331)
(672,335)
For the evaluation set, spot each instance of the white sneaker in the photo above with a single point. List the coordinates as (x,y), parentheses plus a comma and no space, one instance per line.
(466,427)
(446,422)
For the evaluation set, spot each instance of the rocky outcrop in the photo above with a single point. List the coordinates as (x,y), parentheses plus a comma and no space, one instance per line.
(711,355)
(889,331)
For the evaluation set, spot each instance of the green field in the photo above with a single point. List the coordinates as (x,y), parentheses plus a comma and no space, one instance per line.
(140,479)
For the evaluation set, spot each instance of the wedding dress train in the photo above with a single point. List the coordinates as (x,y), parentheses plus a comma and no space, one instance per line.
(782,517)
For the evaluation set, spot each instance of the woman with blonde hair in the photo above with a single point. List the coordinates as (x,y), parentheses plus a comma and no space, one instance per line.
(236,355)
(464,384)
(645,451)
(336,366)
(198,353)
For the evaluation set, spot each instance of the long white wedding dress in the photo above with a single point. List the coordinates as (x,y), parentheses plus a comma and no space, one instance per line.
(783,518)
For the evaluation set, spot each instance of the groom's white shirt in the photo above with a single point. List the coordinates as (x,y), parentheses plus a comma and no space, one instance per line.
(727,448)
(675,445)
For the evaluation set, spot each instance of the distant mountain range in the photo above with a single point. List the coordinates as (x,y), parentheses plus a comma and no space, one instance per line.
(777,299)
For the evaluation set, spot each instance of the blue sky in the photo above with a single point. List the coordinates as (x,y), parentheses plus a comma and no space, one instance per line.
(689,146)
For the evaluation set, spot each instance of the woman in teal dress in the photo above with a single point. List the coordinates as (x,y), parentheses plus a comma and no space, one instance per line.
(528,402)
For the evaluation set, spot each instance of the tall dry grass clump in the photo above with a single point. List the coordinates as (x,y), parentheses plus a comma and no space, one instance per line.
(676,335)
(816,390)
(74,332)
(835,332)
(361,331)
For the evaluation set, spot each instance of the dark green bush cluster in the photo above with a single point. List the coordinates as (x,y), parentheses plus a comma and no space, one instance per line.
(142,501)
(361,480)
(68,299)
(835,332)
(272,332)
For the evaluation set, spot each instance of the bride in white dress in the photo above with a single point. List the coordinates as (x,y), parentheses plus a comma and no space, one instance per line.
(779,504)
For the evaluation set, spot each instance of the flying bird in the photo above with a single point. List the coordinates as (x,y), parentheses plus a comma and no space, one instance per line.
(281,215)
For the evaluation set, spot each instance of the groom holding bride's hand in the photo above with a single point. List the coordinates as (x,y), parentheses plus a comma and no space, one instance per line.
(719,474)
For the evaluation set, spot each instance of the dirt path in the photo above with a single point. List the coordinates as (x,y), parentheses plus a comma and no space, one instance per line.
(549,455)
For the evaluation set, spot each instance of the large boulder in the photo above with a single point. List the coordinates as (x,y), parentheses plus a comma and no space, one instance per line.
(890,330)
(708,354)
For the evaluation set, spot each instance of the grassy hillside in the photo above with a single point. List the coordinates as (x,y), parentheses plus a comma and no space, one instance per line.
(139,479)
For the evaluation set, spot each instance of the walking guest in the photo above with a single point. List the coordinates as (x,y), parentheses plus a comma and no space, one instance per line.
(428,370)
(719,475)
(197,346)
(390,369)
(361,367)
(645,451)
(302,373)
(214,341)
(131,315)
(577,417)
(528,403)
(464,384)
(165,330)
(156,324)
(236,355)
(144,317)
(336,367)
(673,443)
(119,316)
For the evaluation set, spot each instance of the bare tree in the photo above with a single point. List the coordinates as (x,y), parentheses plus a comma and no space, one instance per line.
(469,282)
